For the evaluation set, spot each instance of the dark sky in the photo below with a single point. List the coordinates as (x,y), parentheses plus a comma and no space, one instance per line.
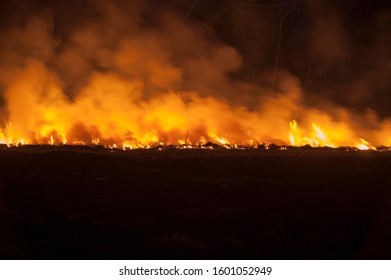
(338,50)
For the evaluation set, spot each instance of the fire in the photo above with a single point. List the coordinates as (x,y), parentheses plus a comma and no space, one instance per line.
(316,138)
(111,112)
(362,144)
(221,140)
(2,138)
(119,80)
(123,111)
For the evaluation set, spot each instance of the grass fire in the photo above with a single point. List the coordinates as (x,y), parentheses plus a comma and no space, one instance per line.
(111,110)
(195,129)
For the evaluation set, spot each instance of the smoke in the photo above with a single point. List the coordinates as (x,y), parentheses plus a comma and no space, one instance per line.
(119,72)
(350,64)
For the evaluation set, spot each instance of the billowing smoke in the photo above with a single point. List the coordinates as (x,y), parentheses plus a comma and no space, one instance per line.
(140,73)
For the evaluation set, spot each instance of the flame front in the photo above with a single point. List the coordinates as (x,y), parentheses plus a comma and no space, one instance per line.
(143,87)
(112,111)
(318,138)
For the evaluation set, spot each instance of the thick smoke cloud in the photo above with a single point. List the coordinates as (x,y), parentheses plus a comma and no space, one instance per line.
(144,72)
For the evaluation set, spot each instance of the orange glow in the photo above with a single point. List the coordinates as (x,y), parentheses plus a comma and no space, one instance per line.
(315,138)
(112,111)
(320,138)
(364,145)
(117,78)
(220,140)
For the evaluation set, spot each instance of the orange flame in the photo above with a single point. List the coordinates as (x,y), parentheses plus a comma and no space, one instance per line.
(112,111)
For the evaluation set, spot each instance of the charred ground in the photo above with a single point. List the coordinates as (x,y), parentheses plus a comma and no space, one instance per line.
(76,203)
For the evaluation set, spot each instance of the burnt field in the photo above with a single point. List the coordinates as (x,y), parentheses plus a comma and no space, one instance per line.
(77,203)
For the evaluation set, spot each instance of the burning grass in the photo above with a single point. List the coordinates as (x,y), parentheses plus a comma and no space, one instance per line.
(207,146)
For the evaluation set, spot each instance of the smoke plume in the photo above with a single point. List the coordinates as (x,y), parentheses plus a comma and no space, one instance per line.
(114,72)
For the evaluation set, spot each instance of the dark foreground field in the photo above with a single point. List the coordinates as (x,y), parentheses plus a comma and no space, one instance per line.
(195,204)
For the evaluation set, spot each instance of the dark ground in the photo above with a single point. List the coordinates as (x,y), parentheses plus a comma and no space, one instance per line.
(74,203)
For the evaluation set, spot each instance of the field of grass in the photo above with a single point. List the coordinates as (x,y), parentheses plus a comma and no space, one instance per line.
(77,203)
